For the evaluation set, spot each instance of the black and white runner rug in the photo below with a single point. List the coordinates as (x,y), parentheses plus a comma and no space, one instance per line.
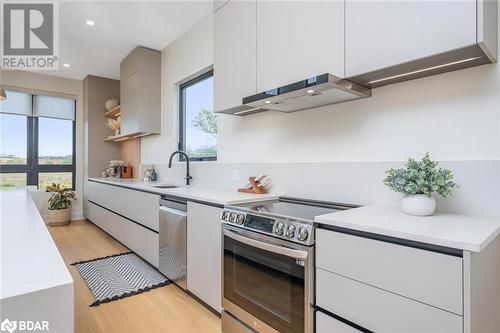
(118,276)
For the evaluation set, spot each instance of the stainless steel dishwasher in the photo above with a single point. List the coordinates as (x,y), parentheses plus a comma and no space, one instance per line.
(173,243)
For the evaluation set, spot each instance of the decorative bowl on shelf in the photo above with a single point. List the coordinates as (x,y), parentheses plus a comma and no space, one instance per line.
(111,104)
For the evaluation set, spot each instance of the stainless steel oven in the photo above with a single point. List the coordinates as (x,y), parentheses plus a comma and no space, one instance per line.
(268,265)
(267,282)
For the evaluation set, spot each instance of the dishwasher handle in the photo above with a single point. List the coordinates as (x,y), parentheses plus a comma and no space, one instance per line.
(174,211)
(174,204)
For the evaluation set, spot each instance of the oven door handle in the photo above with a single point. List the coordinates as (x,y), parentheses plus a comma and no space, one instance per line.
(288,252)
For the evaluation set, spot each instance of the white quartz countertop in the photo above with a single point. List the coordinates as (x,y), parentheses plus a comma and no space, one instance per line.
(464,232)
(30,261)
(192,192)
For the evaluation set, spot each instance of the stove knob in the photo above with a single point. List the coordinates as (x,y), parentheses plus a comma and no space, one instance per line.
(240,219)
(232,218)
(225,216)
(290,233)
(303,233)
(279,228)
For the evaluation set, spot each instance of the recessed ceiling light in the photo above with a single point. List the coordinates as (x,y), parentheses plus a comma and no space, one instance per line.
(66,65)
(310,91)
(267,102)
(90,22)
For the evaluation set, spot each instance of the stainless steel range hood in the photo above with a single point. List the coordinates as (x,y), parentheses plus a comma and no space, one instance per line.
(316,91)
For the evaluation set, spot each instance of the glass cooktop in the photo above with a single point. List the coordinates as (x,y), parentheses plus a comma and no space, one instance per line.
(293,208)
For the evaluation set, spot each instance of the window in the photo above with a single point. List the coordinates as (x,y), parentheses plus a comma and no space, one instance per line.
(198,122)
(37,141)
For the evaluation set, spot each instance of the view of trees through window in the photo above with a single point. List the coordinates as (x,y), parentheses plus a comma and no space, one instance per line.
(198,121)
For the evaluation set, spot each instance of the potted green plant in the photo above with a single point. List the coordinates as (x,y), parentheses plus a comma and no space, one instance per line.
(60,205)
(418,181)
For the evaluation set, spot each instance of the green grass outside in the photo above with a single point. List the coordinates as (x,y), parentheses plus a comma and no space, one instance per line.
(12,180)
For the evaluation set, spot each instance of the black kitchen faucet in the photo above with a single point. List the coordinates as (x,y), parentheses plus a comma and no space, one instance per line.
(180,152)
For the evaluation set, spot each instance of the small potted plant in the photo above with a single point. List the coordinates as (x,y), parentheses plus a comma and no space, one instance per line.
(60,205)
(418,182)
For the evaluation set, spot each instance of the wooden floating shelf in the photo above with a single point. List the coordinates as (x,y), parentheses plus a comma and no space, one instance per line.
(125,137)
(113,113)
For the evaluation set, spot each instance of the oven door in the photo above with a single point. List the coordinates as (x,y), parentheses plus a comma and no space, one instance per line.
(267,282)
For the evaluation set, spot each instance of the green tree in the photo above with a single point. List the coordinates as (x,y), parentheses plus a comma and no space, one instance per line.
(206,121)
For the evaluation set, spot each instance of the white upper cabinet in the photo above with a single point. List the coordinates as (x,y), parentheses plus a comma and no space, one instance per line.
(219,3)
(234,53)
(380,34)
(297,40)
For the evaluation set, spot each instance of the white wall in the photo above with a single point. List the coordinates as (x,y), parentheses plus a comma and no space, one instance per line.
(185,58)
(36,81)
(455,116)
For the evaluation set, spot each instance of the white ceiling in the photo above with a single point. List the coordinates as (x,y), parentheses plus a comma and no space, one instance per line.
(119,27)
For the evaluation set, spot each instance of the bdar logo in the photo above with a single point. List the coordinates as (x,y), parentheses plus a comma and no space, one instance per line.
(8,326)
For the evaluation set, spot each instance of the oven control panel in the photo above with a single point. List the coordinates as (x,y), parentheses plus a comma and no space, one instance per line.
(292,231)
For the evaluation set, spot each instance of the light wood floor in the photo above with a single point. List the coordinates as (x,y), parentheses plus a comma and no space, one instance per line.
(166,309)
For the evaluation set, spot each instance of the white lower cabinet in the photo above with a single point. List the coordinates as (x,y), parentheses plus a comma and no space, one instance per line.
(429,277)
(327,324)
(378,310)
(386,287)
(204,254)
(136,205)
(142,241)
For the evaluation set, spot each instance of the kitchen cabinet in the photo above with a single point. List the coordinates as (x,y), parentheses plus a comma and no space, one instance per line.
(234,53)
(142,241)
(378,310)
(327,324)
(388,287)
(297,40)
(140,91)
(141,207)
(387,284)
(204,254)
(263,45)
(219,3)
(128,215)
(380,34)
(429,277)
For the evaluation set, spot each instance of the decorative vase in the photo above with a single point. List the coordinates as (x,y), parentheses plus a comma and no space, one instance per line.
(418,205)
(58,217)
(111,104)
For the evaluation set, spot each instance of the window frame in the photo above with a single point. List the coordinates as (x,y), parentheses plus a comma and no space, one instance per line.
(182,118)
(32,168)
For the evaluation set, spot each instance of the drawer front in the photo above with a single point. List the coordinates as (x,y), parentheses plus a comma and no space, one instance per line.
(142,241)
(378,310)
(327,324)
(96,215)
(429,277)
(139,206)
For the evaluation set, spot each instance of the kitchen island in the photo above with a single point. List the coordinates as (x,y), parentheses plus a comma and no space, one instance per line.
(36,285)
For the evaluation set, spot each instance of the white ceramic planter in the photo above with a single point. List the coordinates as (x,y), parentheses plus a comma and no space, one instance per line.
(418,205)
(59,216)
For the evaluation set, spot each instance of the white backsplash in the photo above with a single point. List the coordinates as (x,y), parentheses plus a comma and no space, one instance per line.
(349,182)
